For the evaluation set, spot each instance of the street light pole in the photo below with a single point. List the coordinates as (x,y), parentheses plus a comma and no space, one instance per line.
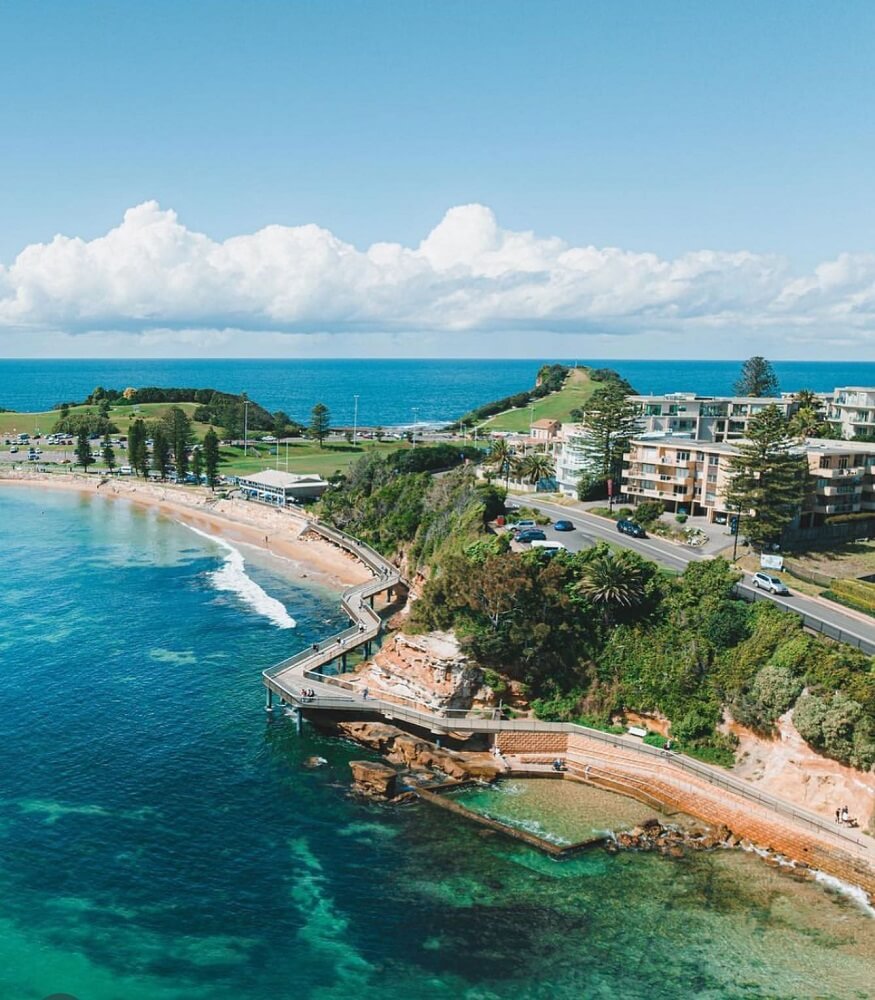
(415,412)
(355,420)
(245,427)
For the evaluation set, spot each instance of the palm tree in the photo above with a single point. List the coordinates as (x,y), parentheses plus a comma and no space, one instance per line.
(501,456)
(536,466)
(613,581)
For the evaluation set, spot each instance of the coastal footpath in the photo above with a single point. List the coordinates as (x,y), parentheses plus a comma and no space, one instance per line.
(708,793)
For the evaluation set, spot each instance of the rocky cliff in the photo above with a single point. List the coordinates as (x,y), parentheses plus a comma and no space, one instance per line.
(430,669)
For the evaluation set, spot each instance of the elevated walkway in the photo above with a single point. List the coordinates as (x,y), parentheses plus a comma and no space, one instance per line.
(648,773)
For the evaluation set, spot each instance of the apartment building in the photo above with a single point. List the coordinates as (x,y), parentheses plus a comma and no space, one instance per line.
(693,476)
(852,410)
(705,418)
(687,475)
(674,415)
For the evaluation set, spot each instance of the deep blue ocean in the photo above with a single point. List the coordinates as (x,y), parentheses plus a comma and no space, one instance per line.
(161,838)
(390,392)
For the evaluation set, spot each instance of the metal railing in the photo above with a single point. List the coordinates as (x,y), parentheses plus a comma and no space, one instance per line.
(407,709)
(751,594)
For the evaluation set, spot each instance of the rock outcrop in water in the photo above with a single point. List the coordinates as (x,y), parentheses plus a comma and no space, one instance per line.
(378,781)
(416,754)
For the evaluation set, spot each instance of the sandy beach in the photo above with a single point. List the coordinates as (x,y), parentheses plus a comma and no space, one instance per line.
(280,532)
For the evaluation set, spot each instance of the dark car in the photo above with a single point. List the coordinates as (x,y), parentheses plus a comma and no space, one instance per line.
(531,535)
(631,528)
(563,526)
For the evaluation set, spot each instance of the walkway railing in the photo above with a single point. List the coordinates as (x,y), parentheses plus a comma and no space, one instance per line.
(281,677)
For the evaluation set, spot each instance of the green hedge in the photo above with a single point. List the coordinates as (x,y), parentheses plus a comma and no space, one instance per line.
(853,593)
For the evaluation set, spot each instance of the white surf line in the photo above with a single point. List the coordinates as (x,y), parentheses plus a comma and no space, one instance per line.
(857,894)
(232,577)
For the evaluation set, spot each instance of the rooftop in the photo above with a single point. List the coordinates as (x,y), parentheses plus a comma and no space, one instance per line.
(273,477)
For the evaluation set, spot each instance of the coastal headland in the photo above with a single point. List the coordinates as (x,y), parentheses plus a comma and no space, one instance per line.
(286,536)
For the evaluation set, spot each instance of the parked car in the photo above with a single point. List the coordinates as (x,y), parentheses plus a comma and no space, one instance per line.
(526,522)
(631,528)
(773,584)
(531,535)
(551,547)
(563,526)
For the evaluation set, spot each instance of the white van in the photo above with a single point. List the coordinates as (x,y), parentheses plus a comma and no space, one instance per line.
(549,546)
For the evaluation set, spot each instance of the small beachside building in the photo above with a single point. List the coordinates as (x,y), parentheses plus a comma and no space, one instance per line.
(282,488)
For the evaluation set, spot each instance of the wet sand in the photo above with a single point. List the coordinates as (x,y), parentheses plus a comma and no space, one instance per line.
(276,531)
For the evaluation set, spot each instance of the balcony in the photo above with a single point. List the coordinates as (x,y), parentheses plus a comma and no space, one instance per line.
(857,470)
(838,508)
(840,491)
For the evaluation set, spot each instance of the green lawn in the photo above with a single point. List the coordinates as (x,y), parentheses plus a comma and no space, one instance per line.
(121,416)
(557,406)
(303,456)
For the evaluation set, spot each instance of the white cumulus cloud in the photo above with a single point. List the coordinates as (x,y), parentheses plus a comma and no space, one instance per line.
(153,273)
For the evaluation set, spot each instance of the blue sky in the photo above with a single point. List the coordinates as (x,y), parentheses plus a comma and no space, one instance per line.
(658,128)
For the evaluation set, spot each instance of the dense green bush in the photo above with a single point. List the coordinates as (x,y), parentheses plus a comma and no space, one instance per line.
(837,726)
(856,593)
(649,511)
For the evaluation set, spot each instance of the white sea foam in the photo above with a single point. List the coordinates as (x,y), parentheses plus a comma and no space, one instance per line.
(846,889)
(232,577)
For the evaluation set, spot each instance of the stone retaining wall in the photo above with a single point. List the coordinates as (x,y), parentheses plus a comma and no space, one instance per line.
(521,743)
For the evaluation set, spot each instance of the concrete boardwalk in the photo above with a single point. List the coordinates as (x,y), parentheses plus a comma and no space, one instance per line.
(679,782)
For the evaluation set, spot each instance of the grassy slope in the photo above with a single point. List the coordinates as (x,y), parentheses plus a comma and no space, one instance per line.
(557,406)
(121,416)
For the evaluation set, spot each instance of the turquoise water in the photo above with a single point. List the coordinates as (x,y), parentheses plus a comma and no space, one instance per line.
(561,812)
(161,839)
(388,390)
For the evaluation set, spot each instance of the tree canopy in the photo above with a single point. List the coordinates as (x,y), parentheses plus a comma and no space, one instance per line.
(757,378)
(768,478)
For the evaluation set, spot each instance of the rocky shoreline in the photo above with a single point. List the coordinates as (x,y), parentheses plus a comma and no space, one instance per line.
(419,762)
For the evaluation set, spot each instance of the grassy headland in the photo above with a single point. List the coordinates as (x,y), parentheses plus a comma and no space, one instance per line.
(577,389)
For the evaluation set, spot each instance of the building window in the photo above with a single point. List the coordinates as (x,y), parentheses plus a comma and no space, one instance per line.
(824,462)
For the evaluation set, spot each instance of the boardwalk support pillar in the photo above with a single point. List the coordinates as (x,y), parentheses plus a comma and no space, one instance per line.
(268,701)
(298,721)
(343,663)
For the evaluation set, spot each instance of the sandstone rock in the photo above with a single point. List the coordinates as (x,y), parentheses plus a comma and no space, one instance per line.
(373,779)
(429,668)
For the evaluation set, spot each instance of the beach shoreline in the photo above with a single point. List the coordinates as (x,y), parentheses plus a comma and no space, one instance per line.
(280,533)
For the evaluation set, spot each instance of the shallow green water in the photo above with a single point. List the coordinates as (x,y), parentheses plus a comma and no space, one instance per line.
(561,812)
(161,839)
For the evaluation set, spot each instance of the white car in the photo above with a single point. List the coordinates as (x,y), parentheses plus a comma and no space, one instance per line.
(773,584)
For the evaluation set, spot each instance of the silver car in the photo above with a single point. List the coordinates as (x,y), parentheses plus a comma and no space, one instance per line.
(773,584)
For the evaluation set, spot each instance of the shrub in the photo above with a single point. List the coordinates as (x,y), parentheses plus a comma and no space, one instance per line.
(681,518)
(855,593)
(649,511)
(837,726)
(775,688)
(655,740)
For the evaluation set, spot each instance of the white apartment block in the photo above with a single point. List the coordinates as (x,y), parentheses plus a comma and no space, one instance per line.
(852,411)
(705,418)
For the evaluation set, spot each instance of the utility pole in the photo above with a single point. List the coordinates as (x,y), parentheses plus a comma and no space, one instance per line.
(415,412)
(355,420)
(245,427)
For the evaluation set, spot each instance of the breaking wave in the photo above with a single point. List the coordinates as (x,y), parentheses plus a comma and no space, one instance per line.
(232,577)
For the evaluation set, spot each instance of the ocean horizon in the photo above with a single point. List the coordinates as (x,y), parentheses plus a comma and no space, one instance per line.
(391,392)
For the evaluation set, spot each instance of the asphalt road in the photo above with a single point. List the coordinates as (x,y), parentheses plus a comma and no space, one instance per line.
(820,616)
